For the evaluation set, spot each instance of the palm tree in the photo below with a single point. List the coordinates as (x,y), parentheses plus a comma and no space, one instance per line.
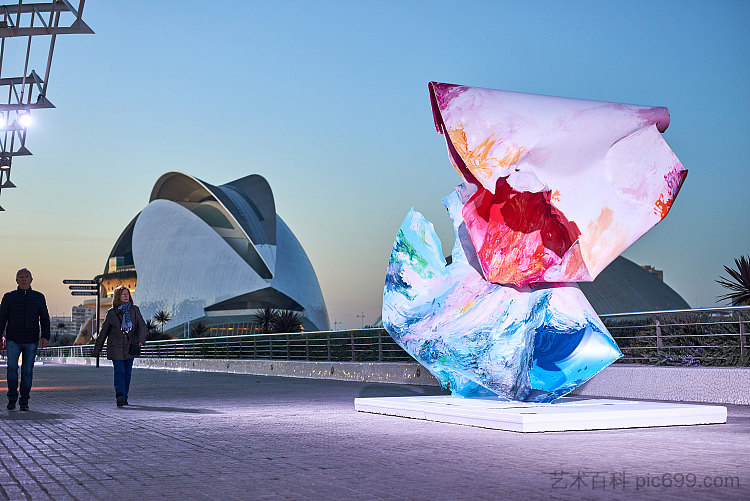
(161,318)
(266,318)
(198,329)
(738,283)
(288,321)
(61,326)
(152,333)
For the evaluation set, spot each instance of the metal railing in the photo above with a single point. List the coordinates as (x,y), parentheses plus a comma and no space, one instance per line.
(707,336)
(701,336)
(360,345)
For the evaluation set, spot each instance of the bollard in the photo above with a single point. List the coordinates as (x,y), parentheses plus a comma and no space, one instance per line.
(743,341)
(658,336)
(380,346)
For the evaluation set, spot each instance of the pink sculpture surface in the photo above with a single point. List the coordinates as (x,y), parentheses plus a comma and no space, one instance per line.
(563,186)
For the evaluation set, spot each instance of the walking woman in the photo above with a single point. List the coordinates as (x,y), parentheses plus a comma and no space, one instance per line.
(122,327)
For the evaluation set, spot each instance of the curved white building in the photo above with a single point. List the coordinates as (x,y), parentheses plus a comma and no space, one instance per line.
(215,253)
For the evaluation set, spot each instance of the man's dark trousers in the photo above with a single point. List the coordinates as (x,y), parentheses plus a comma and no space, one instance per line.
(27,369)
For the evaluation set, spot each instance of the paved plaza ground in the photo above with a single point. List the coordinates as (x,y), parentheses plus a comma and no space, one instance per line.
(218,436)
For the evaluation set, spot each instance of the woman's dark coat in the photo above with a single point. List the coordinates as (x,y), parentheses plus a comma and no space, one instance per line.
(118,346)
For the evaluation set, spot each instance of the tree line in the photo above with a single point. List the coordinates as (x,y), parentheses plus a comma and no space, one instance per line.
(267,320)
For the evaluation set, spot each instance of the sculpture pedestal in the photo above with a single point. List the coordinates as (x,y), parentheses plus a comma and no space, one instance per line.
(567,414)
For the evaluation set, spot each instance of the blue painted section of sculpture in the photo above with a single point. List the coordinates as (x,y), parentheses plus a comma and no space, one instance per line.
(479,338)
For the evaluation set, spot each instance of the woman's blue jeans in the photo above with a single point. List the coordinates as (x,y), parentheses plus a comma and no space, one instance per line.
(27,369)
(123,370)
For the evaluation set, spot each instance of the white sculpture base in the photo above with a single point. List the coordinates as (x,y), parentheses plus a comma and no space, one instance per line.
(567,414)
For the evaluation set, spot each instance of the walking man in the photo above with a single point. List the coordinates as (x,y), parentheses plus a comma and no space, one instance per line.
(22,312)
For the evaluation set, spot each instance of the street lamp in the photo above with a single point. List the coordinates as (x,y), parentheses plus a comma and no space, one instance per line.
(27,90)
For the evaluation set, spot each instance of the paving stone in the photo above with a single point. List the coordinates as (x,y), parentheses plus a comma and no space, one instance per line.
(222,437)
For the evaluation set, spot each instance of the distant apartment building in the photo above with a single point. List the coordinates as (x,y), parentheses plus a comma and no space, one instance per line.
(61,326)
(81,314)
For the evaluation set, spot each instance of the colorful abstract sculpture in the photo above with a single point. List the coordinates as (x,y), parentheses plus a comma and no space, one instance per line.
(555,189)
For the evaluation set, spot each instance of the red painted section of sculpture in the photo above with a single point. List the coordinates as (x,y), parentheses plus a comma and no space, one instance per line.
(521,228)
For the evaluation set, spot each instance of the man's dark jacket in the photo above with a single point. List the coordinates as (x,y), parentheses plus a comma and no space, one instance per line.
(21,313)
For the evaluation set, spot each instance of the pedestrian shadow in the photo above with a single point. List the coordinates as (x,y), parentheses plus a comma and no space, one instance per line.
(33,415)
(185,410)
(394,390)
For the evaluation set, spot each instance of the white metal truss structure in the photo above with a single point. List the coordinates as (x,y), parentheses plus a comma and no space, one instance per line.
(23,20)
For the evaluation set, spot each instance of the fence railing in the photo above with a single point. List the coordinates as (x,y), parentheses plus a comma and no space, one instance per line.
(708,336)
(701,336)
(361,345)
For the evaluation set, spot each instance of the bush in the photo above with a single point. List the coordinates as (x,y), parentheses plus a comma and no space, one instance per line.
(687,339)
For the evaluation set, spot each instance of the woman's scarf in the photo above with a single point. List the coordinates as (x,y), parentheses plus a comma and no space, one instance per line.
(127,323)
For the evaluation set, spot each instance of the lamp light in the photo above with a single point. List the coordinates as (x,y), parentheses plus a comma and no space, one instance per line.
(24,119)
